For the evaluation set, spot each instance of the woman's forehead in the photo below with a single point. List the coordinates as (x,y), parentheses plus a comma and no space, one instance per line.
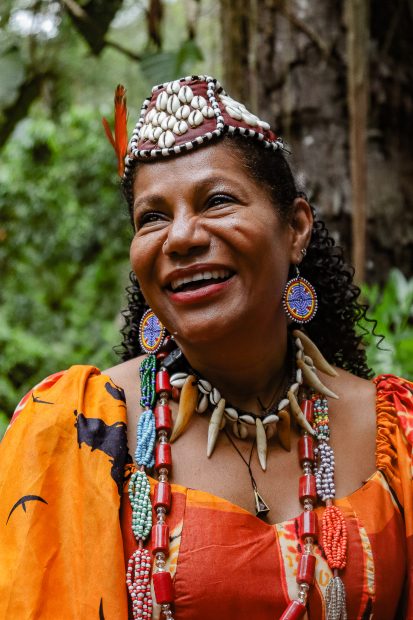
(209,165)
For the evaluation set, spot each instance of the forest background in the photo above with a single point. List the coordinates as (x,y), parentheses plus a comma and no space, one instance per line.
(334,78)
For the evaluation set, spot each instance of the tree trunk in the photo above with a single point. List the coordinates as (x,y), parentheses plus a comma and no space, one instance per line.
(292,69)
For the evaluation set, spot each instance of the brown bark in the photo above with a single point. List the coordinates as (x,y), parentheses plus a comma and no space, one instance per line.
(357,94)
(294,56)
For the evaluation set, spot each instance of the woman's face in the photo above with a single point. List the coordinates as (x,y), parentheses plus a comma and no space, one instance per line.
(210,252)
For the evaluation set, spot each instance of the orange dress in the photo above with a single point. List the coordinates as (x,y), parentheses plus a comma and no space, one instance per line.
(63,546)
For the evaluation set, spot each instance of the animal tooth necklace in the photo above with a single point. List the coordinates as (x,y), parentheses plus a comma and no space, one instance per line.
(317,479)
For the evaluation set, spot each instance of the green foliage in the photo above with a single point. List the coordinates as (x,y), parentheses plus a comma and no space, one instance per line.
(4,421)
(64,238)
(162,66)
(392,308)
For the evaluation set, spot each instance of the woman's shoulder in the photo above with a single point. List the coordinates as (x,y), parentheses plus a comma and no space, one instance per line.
(76,389)
(126,376)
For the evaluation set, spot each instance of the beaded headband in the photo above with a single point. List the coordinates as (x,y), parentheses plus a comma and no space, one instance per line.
(182,115)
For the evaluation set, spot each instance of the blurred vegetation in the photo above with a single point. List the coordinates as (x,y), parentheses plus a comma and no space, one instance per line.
(64,250)
(64,231)
(392,307)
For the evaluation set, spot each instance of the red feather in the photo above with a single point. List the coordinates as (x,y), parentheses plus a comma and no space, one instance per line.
(120,140)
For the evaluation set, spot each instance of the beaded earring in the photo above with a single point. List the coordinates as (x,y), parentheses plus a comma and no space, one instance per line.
(151,332)
(300,299)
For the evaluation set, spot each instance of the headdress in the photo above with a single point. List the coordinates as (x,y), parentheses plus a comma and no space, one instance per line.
(186,113)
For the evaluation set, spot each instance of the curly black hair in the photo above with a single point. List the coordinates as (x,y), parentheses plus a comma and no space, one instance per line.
(334,327)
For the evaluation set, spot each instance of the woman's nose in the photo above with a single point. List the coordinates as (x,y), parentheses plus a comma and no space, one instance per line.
(186,235)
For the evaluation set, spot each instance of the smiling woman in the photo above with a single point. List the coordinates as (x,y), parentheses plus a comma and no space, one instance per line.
(229,411)
(221,228)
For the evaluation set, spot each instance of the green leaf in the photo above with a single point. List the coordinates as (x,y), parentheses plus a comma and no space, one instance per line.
(188,54)
(160,67)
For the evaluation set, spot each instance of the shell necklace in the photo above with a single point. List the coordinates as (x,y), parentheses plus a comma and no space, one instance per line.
(198,393)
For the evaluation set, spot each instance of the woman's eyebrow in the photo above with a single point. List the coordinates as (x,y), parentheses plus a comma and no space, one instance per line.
(148,199)
(217,181)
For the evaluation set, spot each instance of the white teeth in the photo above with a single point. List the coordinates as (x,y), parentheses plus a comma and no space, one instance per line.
(204,275)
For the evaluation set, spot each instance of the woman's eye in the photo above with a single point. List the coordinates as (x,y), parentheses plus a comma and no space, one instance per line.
(149,217)
(219,199)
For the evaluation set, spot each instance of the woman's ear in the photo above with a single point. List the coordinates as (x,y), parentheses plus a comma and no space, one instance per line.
(301,224)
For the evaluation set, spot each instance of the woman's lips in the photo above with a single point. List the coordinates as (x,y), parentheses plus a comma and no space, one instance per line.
(197,295)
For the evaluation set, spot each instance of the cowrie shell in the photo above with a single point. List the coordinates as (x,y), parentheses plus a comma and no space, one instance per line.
(161,101)
(283,404)
(173,104)
(179,375)
(173,87)
(207,112)
(149,116)
(198,102)
(169,139)
(214,396)
(157,132)
(161,140)
(178,383)
(204,386)
(183,112)
(231,413)
(247,419)
(164,123)
(202,404)
(185,94)
(270,418)
(239,430)
(180,127)
(195,118)
(161,117)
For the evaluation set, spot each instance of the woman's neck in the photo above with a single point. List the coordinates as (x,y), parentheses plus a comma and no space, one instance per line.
(246,372)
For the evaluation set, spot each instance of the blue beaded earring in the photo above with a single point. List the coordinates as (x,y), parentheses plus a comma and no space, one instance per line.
(300,299)
(151,332)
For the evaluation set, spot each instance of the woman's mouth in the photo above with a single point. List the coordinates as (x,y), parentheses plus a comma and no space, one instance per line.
(199,280)
(197,287)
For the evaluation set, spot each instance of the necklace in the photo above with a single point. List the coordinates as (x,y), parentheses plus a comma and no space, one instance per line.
(197,394)
(317,479)
(261,508)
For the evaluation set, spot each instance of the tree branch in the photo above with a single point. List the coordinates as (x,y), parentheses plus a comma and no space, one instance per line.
(123,50)
(28,92)
(299,24)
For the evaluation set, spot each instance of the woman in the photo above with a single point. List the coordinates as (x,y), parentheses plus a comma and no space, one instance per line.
(220,232)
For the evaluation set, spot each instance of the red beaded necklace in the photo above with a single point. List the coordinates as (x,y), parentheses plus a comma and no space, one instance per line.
(317,461)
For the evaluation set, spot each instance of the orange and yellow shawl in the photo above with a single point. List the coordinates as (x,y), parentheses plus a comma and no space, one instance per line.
(62,542)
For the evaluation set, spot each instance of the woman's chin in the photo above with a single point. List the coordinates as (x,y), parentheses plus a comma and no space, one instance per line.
(196,333)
